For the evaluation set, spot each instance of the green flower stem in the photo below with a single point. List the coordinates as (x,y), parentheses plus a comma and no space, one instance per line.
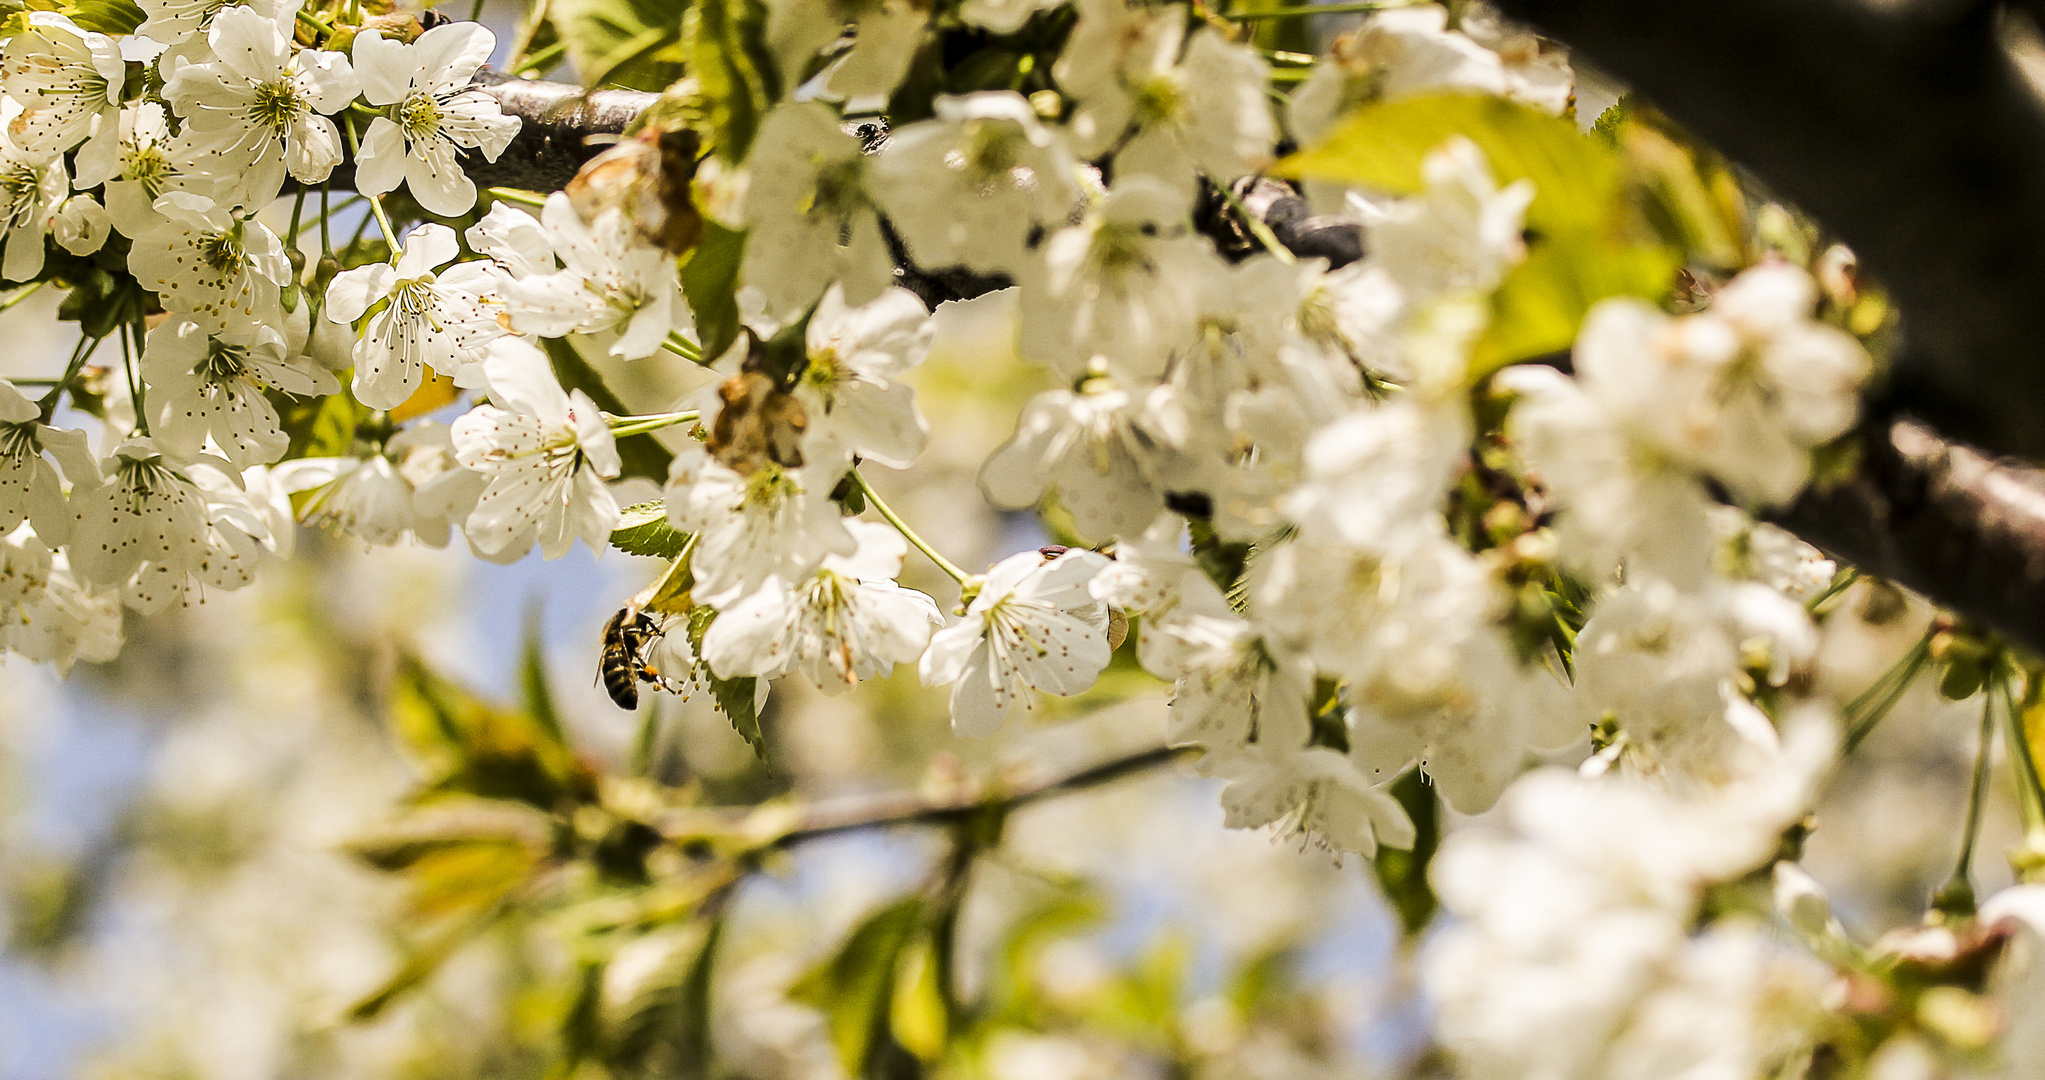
(1864,712)
(2030,791)
(1293,11)
(29,290)
(1956,896)
(541,60)
(683,347)
(874,500)
(517,197)
(79,356)
(131,358)
(622,426)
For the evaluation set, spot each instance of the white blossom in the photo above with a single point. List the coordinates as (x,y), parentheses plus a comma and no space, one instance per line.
(970,186)
(221,270)
(546,457)
(811,220)
(1033,626)
(212,386)
(256,111)
(434,316)
(431,114)
(32,187)
(1168,106)
(68,82)
(147,512)
(31,453)
(609,283)
(46,614)
(848,620)
(852,383)
(775,522)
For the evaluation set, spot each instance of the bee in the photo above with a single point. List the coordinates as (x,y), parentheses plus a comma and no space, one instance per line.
(622,665)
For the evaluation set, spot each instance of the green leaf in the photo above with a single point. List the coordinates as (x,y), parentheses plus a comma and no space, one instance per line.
(1384,145)
(640,455)
(1541,304)
(323,427)
(629,43)
(643,529)
(1403,874)
(710,281)
(855,988)
(725,42)
(107,16)
(662,1027)
(736,699)
(471,747)
(1589,238)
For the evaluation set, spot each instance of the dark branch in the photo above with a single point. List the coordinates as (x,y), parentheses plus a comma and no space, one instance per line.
(564,126)
(1943,520)
(1905,128)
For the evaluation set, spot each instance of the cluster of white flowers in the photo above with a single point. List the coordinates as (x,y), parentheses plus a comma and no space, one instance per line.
(1353,551)
(1329,629)
(157,150)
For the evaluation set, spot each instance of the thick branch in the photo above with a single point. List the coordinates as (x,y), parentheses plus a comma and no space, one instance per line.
(564,126)
(1906,128)
(1943,520)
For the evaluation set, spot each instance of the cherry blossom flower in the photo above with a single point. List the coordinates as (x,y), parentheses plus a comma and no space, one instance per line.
(851,385)
(432,114)
(546,457)
(255,112)
(609,283)
(1115,286)
(219,269)
(213,386)
(46,614)
(435,318)
(32,186)
(1313,793)
(811,218)
(148,510)
(970,187)
(1086,446)
(414,487)
(775,522)
(68,82)
(142,170)
(31,488)
(1033,626)
(847,621)
(1167,106)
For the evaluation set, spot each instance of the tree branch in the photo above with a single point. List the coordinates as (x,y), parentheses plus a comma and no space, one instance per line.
(908,808)
(1907,128)
(563,127)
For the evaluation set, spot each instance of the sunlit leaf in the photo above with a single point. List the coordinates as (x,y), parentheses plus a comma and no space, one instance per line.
(436,392)
(630,43)
(855,988)
(643,529)
(725,42)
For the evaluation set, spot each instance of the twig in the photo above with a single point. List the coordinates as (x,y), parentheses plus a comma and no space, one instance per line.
(908,808)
